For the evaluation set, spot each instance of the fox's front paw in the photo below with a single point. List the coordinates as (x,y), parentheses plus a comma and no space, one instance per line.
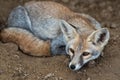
(92,63)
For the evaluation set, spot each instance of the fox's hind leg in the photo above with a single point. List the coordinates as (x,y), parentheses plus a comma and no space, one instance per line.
(27,42)
(19,18)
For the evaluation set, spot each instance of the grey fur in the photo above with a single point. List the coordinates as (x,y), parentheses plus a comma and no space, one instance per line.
(59,46)
(19,18)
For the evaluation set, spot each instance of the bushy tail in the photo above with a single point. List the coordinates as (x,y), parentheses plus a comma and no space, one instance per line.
(27,42)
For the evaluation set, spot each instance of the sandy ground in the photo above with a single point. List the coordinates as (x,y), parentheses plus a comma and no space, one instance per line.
(14,65)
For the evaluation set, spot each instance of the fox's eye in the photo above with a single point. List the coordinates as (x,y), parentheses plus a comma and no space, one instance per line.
(85,53)
(71,50)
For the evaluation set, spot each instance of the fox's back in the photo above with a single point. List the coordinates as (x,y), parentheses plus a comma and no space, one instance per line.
(43,17)
(47,9)
(44,10)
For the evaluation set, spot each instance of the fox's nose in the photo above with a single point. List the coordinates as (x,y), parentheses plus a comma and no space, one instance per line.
(72,67)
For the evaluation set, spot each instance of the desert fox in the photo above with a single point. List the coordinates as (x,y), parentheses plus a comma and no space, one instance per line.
(48,28)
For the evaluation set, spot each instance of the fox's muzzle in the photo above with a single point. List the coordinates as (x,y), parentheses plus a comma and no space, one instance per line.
(76,63)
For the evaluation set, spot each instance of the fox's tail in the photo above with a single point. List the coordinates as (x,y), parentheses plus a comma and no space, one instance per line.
(27,42)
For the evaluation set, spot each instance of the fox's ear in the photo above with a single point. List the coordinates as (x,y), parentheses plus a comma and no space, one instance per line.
(69,32)
(99,37)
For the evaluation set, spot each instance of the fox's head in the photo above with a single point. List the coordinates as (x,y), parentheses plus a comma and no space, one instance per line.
(80,49)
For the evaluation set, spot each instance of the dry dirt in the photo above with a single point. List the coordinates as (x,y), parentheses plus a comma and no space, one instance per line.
(14,65)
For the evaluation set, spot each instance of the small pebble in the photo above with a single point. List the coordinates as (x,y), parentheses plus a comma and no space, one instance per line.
(49,75)
(113,26)
(16,56)
(1,72)
(88,78)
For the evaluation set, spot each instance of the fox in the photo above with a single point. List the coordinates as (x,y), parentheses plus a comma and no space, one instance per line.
(46,28)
